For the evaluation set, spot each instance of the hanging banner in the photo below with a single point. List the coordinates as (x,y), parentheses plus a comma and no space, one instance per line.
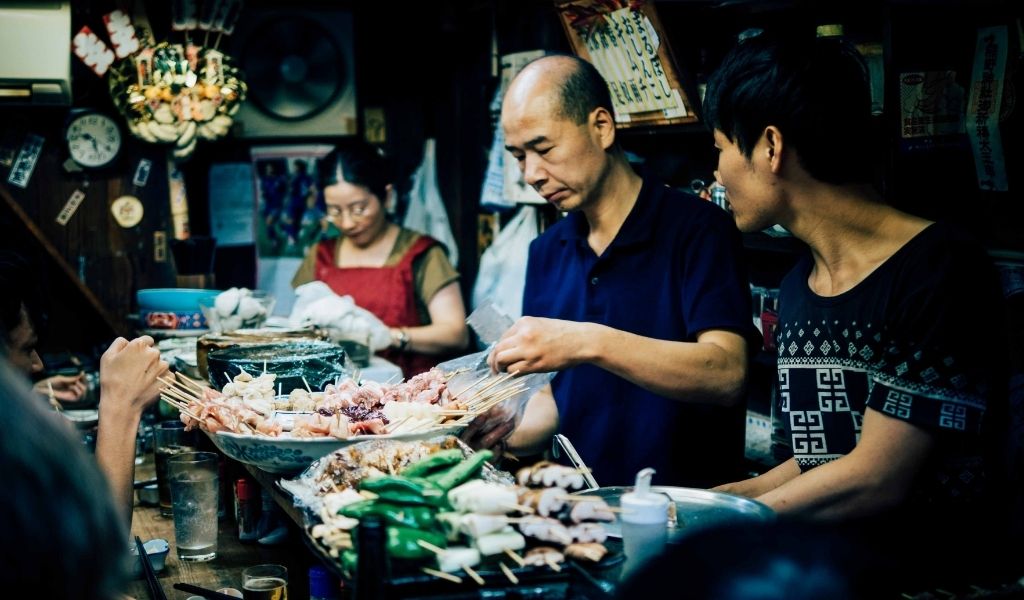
(983,108)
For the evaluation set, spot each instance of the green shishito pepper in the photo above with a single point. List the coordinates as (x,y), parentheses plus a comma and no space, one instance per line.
(403,542)
(462,472)
(404,490)
(416,516)
(439,460)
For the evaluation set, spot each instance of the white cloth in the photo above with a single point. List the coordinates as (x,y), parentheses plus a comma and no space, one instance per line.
(502,274)
(317,304)
(426,213)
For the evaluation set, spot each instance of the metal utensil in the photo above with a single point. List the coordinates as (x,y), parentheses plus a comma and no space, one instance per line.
(562,445)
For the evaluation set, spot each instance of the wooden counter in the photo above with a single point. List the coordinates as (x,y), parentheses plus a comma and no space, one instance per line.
(232,555)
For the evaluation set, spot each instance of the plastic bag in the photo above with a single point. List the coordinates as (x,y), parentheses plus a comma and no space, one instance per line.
(340,316)
(473,374)
(426,212)
(502,273)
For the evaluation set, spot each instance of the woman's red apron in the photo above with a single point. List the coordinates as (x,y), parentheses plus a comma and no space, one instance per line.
(389,292)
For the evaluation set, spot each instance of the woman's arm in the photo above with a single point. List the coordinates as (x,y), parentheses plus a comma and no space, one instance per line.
(447,331)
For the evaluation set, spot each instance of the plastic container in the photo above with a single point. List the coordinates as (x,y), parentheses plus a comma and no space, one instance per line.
(644,522)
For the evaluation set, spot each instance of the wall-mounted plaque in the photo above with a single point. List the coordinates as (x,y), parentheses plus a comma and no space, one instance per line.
(625,41)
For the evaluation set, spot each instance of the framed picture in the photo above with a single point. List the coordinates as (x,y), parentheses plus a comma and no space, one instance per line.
(624,39)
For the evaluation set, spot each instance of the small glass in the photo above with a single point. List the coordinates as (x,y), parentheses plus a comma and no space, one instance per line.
(170,439)
(265,582)
(194,499)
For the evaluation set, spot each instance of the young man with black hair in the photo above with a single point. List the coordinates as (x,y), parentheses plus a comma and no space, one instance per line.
(888,336)
(638,298)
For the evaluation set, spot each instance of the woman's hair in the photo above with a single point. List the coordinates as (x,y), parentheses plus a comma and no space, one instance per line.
(359,164)
(60,535)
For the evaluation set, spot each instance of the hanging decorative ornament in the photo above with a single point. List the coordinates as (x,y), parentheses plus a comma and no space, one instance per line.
(176,93)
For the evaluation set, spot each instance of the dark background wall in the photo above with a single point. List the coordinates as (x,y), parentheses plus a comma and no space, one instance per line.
(429,66)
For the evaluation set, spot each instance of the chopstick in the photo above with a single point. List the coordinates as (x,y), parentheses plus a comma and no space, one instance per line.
(155,591)
(201,591)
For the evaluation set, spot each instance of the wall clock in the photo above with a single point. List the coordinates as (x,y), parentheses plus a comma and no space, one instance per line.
(93,139)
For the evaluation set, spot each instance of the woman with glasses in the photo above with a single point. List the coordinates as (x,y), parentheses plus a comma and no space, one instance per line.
(401,276)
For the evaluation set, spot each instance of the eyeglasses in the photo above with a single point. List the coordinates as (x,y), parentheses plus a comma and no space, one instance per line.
(355,211)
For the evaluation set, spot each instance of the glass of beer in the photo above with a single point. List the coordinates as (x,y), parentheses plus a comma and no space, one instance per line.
(170,439)
(265,582)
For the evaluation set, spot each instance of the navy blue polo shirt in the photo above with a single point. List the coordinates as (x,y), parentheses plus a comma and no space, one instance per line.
(673,270)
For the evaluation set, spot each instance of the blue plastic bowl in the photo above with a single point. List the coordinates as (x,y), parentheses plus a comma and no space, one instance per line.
(173,308)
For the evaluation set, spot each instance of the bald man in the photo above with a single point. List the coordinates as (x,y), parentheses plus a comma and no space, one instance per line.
(637,298)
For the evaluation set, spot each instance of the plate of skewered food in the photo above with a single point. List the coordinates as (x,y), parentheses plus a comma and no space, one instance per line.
(452,520)
(251,421)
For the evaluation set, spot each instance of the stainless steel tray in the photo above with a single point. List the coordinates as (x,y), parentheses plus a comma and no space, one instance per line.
(694,508)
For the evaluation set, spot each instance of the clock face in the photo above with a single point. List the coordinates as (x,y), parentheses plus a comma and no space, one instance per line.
(93,140)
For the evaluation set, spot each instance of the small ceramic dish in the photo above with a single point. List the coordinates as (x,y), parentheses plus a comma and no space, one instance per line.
(149,495)
(157,550)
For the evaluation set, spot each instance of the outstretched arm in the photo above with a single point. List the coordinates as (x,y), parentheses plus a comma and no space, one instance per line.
(711,370)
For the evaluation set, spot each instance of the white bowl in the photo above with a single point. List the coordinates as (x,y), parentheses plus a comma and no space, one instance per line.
(285,454)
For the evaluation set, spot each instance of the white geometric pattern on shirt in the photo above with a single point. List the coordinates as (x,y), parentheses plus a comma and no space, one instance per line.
(783,389)
(808,432)
(831,390)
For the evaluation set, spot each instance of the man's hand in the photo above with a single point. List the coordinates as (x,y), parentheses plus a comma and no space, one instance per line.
(129,373)
(490,430)
(66,388)
(537,345)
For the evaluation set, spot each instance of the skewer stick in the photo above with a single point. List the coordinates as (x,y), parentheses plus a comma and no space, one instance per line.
(189,381)
(306,383)
(508,573)
(427,545)
(550,561)
(473,574)
(519,559)
(392,427)
(471,386)
(53,398)
(442,575)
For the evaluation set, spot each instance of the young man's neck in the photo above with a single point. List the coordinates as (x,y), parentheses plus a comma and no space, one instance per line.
(620,190)
(850,232)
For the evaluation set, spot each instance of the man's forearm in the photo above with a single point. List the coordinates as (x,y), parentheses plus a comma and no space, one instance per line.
(711,370)
(115,454)
(539,424)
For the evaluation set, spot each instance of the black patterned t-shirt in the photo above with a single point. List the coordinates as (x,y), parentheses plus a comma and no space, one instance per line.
(917,340)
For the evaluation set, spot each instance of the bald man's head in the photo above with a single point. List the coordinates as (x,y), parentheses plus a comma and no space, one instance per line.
(573,86)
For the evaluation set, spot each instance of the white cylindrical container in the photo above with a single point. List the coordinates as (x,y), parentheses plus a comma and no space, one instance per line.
(644,523)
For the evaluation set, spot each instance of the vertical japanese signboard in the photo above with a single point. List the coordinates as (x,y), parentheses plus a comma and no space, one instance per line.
(624,40)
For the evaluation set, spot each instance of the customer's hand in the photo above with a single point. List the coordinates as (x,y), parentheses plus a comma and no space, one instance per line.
(129,374)
(66,388)
(490,430)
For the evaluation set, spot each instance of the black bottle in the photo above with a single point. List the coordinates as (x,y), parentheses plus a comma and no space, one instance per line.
(372,569)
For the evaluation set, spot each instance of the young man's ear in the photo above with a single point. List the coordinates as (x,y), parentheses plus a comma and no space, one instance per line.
(773,147)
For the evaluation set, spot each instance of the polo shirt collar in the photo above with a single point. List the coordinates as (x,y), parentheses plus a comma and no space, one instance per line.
(639,222)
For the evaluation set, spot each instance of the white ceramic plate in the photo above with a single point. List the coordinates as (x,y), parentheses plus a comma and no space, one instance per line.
(285,454)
